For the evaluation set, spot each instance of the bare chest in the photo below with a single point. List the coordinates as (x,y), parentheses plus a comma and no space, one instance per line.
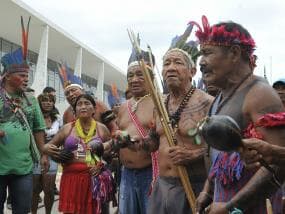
(142,116)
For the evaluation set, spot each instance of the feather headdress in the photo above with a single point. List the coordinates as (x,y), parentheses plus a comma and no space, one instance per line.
(17,60)
(67,78)
(113,96)
(226,34)
(220,34)
(134,58)
(190,48)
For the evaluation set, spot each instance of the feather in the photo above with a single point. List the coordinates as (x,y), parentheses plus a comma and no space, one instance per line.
(113,96)
(114,91)
(66,76)
(206,25)
(25,36)
(133,56)
(27,39)
(204,33)
(15,57)
(62,74)
(179,41)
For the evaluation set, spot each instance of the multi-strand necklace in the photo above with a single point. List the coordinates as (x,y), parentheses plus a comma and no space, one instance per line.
(135,105)
(175,117)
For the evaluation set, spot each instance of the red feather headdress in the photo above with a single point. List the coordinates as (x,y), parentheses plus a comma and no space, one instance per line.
(219,35)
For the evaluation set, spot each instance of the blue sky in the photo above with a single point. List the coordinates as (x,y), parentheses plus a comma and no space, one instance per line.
(102,25)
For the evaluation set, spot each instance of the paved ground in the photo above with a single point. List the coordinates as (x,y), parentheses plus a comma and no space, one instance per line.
(41,209)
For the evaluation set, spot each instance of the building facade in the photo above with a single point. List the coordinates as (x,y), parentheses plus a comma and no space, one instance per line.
(50,45)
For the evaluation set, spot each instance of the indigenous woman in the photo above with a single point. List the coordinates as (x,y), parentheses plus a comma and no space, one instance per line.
(86,185)
(46,181)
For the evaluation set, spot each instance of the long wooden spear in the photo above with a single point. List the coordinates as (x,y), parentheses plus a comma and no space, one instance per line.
(164,119)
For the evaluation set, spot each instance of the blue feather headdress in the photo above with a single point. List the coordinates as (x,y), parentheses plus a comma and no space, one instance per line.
(17,60)
(114,97)
(134,58)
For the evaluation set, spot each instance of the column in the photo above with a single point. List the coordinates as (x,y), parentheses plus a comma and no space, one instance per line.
(41,74)
(100,84)
(78,63)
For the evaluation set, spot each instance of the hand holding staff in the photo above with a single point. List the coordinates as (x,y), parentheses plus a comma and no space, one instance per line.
(164,120)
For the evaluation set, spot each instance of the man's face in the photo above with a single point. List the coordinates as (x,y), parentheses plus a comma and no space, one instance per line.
(72,93)
(280,89)
(176,72)
(214,65)
(18,80)
(136,82)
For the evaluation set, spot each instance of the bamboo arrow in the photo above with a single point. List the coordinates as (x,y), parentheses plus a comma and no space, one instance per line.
(164,119)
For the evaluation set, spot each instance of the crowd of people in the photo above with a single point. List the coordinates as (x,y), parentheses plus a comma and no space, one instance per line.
(91,142)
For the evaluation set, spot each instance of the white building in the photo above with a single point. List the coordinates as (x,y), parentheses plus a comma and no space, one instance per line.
(49,45)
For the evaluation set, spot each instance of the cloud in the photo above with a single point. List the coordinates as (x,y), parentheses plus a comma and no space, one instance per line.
(102,24)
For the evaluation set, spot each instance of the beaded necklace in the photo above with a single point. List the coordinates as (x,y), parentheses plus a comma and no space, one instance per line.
(86,138)
(135,105)
(175,117)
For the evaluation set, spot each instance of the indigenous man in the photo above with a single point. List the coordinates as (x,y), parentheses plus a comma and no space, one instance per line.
(71,92)
(21,132)
(186,106)
(135,117)
(227,62)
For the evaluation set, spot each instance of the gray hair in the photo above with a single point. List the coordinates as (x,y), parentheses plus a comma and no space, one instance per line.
(187,57)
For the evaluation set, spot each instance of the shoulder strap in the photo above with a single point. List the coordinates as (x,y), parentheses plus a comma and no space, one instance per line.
(136,121)
(33,147)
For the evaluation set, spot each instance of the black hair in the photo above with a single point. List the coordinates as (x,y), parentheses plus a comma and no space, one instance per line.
(48,89)
(54,112)
(85,96)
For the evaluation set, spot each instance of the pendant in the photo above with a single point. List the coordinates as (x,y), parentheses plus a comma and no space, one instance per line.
(134,107)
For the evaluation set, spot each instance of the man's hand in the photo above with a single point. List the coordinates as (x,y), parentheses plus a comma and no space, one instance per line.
(181,155)
(44,164)
(218,208)
(255,149)
(204,200)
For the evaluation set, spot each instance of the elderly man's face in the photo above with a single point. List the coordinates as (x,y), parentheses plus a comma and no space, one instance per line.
(18,80)
(176,71)
(136,81)
(280,89)
(72,93)
(215,65)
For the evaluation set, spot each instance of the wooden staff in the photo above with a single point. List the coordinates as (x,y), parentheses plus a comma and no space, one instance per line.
(164,119)
(269,207)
